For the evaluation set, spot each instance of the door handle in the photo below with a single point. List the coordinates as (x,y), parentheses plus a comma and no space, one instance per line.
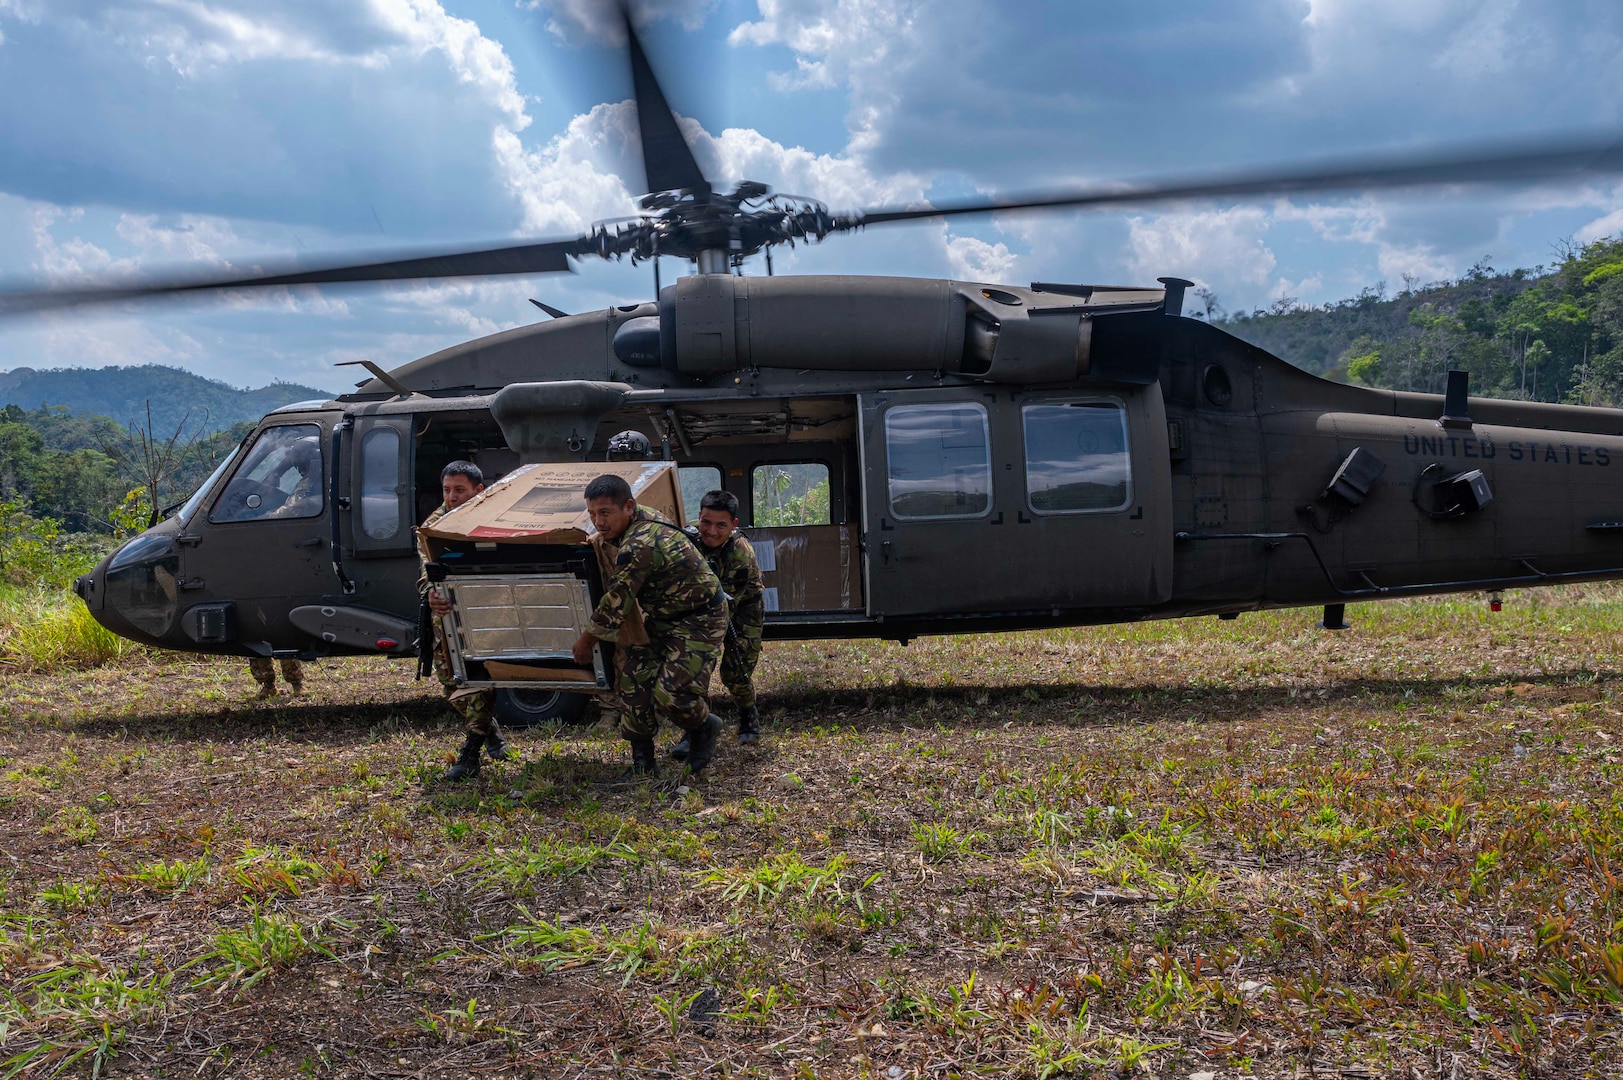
(884,551)
(314,541)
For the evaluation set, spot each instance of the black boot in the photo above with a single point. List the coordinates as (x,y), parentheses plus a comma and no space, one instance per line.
(749,725)
(644,761)
(467,762)
(702,742)
(679,752)
(496,745)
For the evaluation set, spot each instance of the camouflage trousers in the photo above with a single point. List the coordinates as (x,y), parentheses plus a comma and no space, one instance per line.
(668,678)
(738,660)
(477,708)
(263,669)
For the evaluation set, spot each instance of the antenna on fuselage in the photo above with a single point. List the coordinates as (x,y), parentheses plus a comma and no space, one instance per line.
(556,313)
(382,376)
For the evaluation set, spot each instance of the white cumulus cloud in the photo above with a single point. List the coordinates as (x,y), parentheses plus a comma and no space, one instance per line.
(1223,248)
(973,259)
(477,60)
(1607,225)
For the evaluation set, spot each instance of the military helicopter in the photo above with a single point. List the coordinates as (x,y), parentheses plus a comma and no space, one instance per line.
(994,457)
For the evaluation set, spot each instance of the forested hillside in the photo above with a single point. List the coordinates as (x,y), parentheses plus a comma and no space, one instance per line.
(91,474)
(1555,335)
(122,393)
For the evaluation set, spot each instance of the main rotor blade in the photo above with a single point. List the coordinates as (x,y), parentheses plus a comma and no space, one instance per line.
(543,258)
(667,159)
(1502,163)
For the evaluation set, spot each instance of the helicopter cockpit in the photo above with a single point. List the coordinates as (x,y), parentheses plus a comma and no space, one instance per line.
(281,478)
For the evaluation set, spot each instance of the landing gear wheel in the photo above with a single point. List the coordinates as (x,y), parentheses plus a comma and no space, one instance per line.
(527,708)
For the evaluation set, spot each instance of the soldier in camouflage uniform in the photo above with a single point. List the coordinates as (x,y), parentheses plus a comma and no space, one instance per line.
(459,482)
(660,569)
(733,559)
(263,669)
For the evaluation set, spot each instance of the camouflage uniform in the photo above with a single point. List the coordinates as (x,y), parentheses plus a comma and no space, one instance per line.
(734,563)
(477,709)
(686,618)
(263,669)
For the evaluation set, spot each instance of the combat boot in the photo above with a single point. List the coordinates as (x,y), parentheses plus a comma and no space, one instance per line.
(679,752)
(496,744)
(467,762)
(644,761)
(702,742)
(749,725)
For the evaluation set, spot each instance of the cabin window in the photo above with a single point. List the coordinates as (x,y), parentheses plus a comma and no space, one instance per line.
(697,481)
(1076,456)
(280,478)
(789,493)
(380,483)
(940,461)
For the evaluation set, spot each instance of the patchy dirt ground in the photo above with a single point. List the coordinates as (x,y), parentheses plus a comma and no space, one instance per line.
(1191,849)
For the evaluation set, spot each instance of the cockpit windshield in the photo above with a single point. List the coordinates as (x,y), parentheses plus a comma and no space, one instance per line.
(190,506)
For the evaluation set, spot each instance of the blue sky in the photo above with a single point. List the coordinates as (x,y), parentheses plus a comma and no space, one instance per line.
(148,133)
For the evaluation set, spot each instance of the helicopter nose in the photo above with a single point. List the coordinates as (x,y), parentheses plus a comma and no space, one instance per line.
(88,588)
(135,591)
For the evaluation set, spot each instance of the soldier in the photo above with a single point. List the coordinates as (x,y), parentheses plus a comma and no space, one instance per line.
(733,559)
(660,569)
(459,482)
(303,459)
(264,672)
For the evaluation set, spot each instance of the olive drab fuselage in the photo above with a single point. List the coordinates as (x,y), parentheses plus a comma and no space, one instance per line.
(984,457)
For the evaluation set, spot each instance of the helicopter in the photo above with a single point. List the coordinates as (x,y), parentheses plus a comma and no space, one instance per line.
(990,457)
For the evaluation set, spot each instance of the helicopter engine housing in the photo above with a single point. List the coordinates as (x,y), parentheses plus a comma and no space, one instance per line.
(711,324)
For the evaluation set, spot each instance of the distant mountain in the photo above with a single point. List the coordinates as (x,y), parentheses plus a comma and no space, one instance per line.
(123,393)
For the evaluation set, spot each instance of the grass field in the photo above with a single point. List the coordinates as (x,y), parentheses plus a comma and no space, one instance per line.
(1208,849)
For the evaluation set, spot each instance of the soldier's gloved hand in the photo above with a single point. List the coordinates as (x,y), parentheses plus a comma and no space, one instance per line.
(583,649)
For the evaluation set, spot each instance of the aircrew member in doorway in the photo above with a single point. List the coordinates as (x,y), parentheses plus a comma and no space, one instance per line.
(658,569)
(459,482)
(733,559)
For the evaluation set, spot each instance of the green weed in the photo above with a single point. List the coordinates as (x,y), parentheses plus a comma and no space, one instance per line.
(243,957)
(782,876)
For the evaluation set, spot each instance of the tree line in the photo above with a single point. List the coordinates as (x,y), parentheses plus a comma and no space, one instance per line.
(1547,334)
(93,475)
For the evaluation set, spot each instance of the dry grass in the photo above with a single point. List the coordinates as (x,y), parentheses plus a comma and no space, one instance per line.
(48,629)
(1246,848)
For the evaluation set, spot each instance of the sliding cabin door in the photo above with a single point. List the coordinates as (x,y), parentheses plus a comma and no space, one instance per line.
(992,501)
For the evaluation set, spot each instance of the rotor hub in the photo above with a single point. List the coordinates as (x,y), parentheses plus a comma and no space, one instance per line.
(712,229)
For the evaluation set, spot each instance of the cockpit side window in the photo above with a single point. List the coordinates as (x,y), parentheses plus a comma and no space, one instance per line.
(280,478)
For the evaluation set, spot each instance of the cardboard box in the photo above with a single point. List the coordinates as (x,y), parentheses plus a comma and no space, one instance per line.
(518,601)
(545,504)
(809,567)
